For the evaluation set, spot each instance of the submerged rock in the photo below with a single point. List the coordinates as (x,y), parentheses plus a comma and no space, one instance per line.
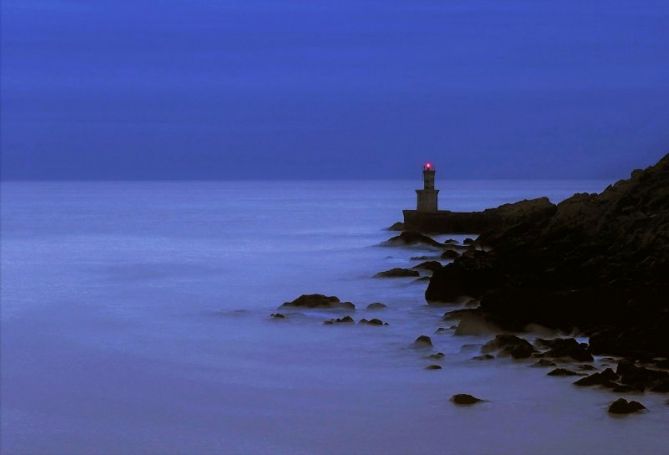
(563,372)
(509,345)
(277,316)
(423,341)
(318,301)
(436,356)
(413,238)
(376,306)
(397,273)
(465,399)
(375,321)
(433,367)
(344,320)
(622,406)
(483,357)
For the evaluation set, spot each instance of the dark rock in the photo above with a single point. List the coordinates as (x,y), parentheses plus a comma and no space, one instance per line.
(562,372)
(544,363)
(450,254)
(433,367)
(436,356)
(397,273)
(468,241)
(566,348)
(377,322)
(318,301)
(376,306)
(428,265)
(413,238)
(470,275)
(465,399)
(622,406)
(509,345)
(344,320)
(423,341)
(605,378)
(483,357)
(278,316)
(399,226)
(424,258)
(663,363)
(586,367)
(641,378)
(441,331)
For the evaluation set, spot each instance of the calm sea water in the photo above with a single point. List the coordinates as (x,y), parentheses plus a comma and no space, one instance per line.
(135,320)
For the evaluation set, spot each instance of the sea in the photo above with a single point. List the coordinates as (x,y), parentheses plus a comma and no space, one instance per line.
(135,319)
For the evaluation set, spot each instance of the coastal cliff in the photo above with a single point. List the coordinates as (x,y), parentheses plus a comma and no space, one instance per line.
(596,263)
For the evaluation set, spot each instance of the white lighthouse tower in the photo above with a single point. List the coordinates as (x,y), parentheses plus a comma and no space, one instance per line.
(427,197)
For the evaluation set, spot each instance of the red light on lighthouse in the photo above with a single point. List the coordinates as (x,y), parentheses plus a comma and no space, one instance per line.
(427,166)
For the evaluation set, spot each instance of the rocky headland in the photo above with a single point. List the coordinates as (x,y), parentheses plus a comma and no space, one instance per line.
(597,264)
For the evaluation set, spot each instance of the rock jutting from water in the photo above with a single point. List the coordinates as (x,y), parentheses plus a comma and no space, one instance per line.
(465,399)
(316,301)
(397,273)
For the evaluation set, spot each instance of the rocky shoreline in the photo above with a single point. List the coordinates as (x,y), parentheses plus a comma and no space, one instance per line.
(595,266)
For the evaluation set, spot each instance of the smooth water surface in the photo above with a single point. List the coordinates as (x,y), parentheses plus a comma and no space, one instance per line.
(135,319)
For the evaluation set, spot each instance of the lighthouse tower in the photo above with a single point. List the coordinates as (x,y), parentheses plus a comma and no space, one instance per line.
(427,197)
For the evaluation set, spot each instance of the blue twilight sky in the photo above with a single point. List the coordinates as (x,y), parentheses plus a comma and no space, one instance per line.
(219,89)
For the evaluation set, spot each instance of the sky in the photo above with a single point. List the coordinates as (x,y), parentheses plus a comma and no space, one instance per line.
(341,89)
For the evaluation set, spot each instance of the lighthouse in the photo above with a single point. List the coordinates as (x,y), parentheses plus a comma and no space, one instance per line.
(427,197)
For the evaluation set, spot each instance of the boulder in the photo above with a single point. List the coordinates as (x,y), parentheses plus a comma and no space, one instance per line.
(465,399)
(344,320)
(433,367)
(563,372)
(318,301)
(278,316)
(397,273)
(640,378)
(566,348)
(483,357)
(509,345)
(436,356)
(605,378)
(376,306)
(450,254)
(377,322)
(423,341)
(622,406)
(413,238)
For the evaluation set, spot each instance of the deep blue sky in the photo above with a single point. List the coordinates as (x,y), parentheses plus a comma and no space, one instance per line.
(159,89)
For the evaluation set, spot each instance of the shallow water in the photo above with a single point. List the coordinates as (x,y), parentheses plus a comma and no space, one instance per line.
(135,320)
